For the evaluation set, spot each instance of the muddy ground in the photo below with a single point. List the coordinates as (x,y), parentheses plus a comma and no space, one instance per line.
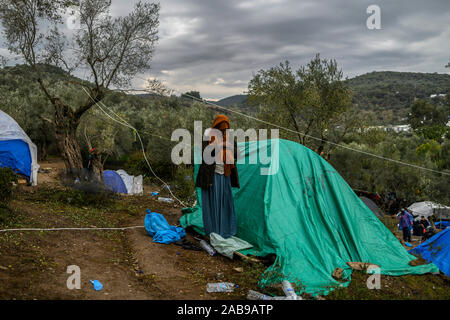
(129,264)
(33,264)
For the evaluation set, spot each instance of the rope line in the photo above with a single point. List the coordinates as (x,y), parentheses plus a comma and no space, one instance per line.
(63,229)
(318,139)
(126,124)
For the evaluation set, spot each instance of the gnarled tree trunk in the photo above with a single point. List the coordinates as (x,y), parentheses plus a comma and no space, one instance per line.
(65,125)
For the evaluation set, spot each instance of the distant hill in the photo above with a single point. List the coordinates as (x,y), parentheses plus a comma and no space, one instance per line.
(384,91)
(240,99)
(395,90)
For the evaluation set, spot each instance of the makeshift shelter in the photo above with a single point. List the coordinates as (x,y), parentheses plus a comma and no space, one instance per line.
(436,250)
(121,182)
(17,151)
(299,208)
(427,209)
(442,224)
(372,206)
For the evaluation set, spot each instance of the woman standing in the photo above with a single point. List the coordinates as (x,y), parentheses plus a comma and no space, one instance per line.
(216,181)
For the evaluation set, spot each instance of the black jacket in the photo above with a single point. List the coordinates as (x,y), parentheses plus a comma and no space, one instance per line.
(205,176)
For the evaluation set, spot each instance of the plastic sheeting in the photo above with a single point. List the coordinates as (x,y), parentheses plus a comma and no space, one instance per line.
(132,183)
(15,154)
(442,224)
(298,207)
(157,227)
(425,208)
(10,131)
(436,250)
(121,182)
(113,182)
(228,246)
(372,206)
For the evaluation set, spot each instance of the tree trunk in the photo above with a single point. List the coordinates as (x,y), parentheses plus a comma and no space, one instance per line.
(97,167)
(65,126)
(43,151)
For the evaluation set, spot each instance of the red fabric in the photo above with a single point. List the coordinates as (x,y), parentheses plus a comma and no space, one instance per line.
(221,122)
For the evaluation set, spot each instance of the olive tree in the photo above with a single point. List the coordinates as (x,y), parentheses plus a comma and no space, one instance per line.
(109,50)
(311,101)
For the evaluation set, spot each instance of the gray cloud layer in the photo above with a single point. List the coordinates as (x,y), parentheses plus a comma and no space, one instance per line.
(214,46)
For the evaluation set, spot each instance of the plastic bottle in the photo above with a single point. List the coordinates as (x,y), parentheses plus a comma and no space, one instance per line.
(220,287)
(205,245)
(166,200)
(289,291)
(255,295)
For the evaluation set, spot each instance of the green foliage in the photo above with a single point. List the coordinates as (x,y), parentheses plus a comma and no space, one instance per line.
(425,113)
(76,197)
(7,178)
(388,91)
(311,101)
(436,132)
(185,184)
(377,175)
(190,94)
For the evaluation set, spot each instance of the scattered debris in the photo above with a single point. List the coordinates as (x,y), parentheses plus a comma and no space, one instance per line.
(238,269)
(255,295)
(221,287)
(208,248)
(165,200)
(418,262)
(361,265)
(220,276)
(289,291)
(97,285)
(243,256)
(337,273)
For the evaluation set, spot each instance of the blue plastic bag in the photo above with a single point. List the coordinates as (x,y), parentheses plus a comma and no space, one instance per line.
(97,285)
(155,222)
(166,236)
(157,227)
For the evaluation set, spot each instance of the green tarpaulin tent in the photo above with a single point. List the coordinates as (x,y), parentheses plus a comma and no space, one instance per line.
(298,207)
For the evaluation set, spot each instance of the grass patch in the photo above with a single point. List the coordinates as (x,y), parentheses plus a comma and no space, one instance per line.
(74,197)
(408,287)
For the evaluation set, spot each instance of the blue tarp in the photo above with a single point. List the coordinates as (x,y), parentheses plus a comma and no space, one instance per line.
(436,250)
(113,182)
(157,227)
(15,154)
(442,224)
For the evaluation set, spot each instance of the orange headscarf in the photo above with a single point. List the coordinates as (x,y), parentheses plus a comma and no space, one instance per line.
(221,122)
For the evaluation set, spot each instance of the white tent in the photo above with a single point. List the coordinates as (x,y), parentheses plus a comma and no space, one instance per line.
(11,154)
(426,209)
(133,184)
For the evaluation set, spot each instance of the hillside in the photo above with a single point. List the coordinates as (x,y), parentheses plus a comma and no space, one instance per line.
(395,90)
(385,91)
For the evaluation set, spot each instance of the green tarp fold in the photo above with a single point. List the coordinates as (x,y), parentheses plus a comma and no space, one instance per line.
(298,207)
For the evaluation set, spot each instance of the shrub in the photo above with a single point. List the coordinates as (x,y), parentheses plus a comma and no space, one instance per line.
(184,182)
(7,178)
(77,197)
(136,165)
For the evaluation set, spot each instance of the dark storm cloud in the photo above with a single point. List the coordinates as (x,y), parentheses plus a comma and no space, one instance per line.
(215,46)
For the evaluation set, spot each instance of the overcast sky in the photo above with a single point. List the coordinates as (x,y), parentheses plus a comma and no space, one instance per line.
(214,46)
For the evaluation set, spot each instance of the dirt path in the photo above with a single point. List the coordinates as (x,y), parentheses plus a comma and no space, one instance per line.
(33,265)
(177,273)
